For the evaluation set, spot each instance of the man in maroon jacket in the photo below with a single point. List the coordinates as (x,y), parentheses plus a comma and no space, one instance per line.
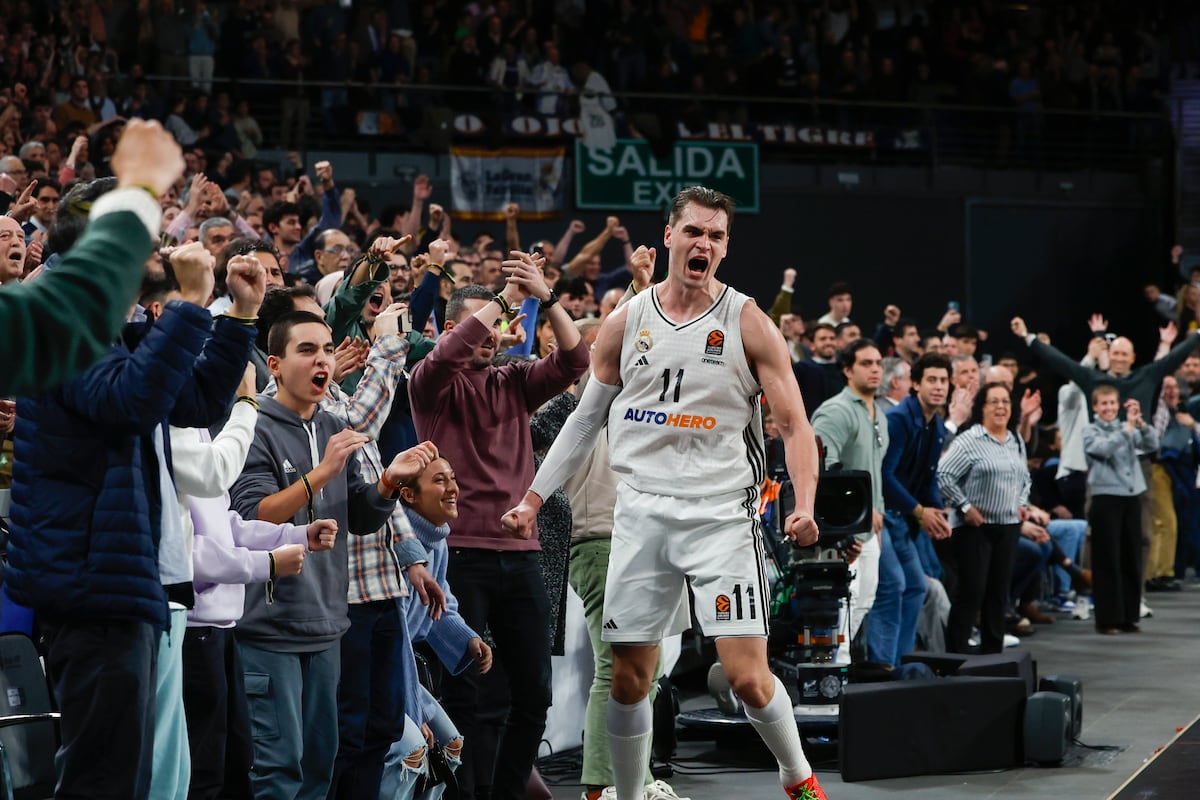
(478,416)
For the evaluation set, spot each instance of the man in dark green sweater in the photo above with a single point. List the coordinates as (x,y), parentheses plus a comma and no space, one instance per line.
(64,321)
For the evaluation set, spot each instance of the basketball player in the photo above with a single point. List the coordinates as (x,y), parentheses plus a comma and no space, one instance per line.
(678,371)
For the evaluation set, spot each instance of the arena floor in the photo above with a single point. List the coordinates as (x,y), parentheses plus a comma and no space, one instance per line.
(1139,690)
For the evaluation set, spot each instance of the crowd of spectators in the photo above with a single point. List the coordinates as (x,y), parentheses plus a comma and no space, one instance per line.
(213,69)
(313,290)
(1019,457)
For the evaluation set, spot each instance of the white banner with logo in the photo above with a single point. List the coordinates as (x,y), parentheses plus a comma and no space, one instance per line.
(485,181)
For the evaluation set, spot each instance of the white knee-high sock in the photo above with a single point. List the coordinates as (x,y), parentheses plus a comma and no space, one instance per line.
(630,729)
(776,724)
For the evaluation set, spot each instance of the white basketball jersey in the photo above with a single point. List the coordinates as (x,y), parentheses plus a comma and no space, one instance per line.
(687,422)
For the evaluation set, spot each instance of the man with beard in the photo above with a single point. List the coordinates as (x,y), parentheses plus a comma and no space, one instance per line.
(854,436)
(820,377)
(478,414)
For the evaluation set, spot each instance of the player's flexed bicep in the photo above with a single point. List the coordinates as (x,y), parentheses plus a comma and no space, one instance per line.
(606,352)
(768,355)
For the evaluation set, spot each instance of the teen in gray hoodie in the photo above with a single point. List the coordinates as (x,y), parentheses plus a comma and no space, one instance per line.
(303,466)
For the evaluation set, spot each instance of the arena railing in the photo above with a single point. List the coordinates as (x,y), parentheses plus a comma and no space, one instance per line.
(379,117)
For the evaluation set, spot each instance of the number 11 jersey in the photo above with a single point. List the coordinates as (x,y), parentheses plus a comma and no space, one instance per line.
(687,422)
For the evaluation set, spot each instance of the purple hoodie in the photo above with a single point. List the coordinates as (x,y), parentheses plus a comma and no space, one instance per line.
(227,553)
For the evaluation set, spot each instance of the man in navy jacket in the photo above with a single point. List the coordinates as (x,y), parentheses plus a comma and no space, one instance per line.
(89,511)
(913,503)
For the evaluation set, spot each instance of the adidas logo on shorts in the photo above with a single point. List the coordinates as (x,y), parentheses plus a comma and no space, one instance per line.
(642,362)
(610,625)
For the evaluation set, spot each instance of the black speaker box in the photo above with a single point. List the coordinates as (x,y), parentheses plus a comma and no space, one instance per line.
(1072,687)
(1047,727)
(895,730)
(942,664)
(1009,664)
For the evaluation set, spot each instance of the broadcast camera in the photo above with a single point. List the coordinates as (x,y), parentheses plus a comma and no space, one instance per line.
(814,582)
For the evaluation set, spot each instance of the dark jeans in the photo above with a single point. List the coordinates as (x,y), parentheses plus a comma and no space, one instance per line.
(370,698)
(1187,512)
(502,591)
(984,560)
(1116,559)
(1029,562)
(103,678)
(218,720)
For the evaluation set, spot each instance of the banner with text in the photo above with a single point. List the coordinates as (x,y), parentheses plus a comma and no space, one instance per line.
(483,182)
(629,177)
(781,134)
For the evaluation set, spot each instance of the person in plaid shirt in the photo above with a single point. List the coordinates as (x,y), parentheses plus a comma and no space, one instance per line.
(376,562)
(370,700)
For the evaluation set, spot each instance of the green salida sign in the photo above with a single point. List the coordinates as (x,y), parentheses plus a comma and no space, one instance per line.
(630,177)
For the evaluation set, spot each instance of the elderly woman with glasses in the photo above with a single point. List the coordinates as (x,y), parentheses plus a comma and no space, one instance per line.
(984,479)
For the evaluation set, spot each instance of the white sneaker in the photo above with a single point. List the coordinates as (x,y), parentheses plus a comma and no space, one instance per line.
(1010,640)
(1145,610)
(722,693)
(661,790)
(1083,608)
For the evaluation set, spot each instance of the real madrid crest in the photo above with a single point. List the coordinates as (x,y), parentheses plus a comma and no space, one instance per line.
(644,342)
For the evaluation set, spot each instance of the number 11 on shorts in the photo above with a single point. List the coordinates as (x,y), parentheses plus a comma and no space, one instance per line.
(727,610)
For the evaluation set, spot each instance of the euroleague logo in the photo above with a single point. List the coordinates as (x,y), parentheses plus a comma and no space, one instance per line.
(722,607)
(714,345)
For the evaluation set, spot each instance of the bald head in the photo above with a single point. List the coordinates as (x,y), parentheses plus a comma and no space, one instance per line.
(999,374)
(12,250)
(1120,356)
(608,303)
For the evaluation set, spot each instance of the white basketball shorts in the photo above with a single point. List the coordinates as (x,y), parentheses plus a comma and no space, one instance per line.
(662,546)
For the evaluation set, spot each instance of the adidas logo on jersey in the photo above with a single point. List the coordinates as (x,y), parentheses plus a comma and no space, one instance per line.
(642,362)
(287,467)
(611,625)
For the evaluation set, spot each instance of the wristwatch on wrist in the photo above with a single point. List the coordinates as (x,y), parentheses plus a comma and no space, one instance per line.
(964,508)
(549,301)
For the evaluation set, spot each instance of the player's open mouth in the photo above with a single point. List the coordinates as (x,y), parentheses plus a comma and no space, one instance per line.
(376,301)
(320,381)
(696,267)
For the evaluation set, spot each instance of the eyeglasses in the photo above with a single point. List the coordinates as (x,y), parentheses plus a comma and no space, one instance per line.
(399,268)
(338,249)
(998,401)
